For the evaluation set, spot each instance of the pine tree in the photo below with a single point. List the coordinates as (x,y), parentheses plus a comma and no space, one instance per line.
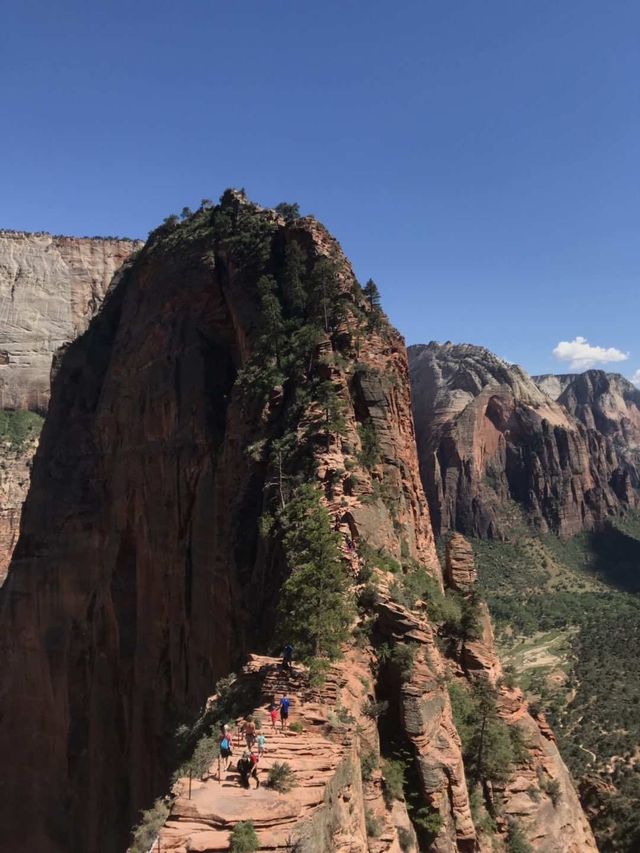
(315,606)
(271,323)
(326,303)
(332,407)
(293,275)
(372,293)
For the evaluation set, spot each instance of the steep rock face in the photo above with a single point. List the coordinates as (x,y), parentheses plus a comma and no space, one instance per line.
(487,434)
(554,824)
(605,402)
(140,575)
(50,287)
(15,471)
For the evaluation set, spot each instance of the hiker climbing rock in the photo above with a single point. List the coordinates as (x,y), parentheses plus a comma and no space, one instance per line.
(273,713)
(287,656)
(248,766)
(285,702)
(226,747)
(261,743)
(249,731)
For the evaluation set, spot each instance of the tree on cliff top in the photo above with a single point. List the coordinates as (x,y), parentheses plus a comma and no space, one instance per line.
(315,607)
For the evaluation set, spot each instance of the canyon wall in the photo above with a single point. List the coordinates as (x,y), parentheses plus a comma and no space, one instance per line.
(488,435)
(50,287)
(606,402)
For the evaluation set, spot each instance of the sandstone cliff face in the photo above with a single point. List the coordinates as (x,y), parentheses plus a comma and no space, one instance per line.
(487,434)
(50,287)
(15,472)
(140,576)
(605,402)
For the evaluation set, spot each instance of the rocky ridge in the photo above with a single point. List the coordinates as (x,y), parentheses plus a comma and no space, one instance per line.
(149,562)
(606,402)
(142,519)
(539,794)
(487,435)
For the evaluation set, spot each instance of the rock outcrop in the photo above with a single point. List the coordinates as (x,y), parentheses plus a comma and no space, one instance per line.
(50,287)
(539,794)
(488,435)
(140,575)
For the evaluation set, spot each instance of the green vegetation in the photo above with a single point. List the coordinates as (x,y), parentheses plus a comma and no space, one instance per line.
(18,427)
(372,824)
(296,727)
(369,762)
(288,210)
(406,838)
(369,455)
(147,830)
(490,747)
(516,841)
(281,777)
(567,614)
(243,838)
(315,607)
(393,779)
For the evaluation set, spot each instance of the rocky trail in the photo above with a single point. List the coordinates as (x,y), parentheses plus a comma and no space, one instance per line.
(202,822)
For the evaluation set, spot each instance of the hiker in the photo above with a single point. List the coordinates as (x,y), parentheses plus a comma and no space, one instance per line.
(261,741)
(287,656)
(273,713)
(254,758)
(226,748)
(244,768)
(249,731)
(284,710)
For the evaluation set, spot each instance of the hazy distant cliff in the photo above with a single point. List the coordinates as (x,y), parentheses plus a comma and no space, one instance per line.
(486,433)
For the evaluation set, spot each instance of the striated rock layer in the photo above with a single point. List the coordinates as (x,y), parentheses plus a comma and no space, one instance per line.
(140,576)
(50,288)
(606,402)
(487,435)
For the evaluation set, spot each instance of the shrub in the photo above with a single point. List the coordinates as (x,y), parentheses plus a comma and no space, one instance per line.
(393,777)
(405,838)
(369,455)
(373,709)
(243,838)
(403,655)
(368,763)
(373,824)
(318,669)
(554,791)
(297,727)
(368,597)
(281,777)
(516,841)
(147,830)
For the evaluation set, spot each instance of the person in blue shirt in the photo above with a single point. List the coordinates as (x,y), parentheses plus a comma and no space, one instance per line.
(287,656)
(285,702)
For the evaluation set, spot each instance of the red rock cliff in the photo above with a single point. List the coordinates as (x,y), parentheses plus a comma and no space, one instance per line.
(140,577)
(487,434)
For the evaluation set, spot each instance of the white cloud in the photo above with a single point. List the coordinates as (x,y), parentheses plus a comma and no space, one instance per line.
(636,378)
(581,355)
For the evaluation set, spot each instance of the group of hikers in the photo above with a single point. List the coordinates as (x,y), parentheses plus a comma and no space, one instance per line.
(256,742)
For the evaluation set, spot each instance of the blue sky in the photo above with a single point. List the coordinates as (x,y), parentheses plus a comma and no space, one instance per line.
(478,158)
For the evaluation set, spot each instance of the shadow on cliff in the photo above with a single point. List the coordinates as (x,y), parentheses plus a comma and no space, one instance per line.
(616,557)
